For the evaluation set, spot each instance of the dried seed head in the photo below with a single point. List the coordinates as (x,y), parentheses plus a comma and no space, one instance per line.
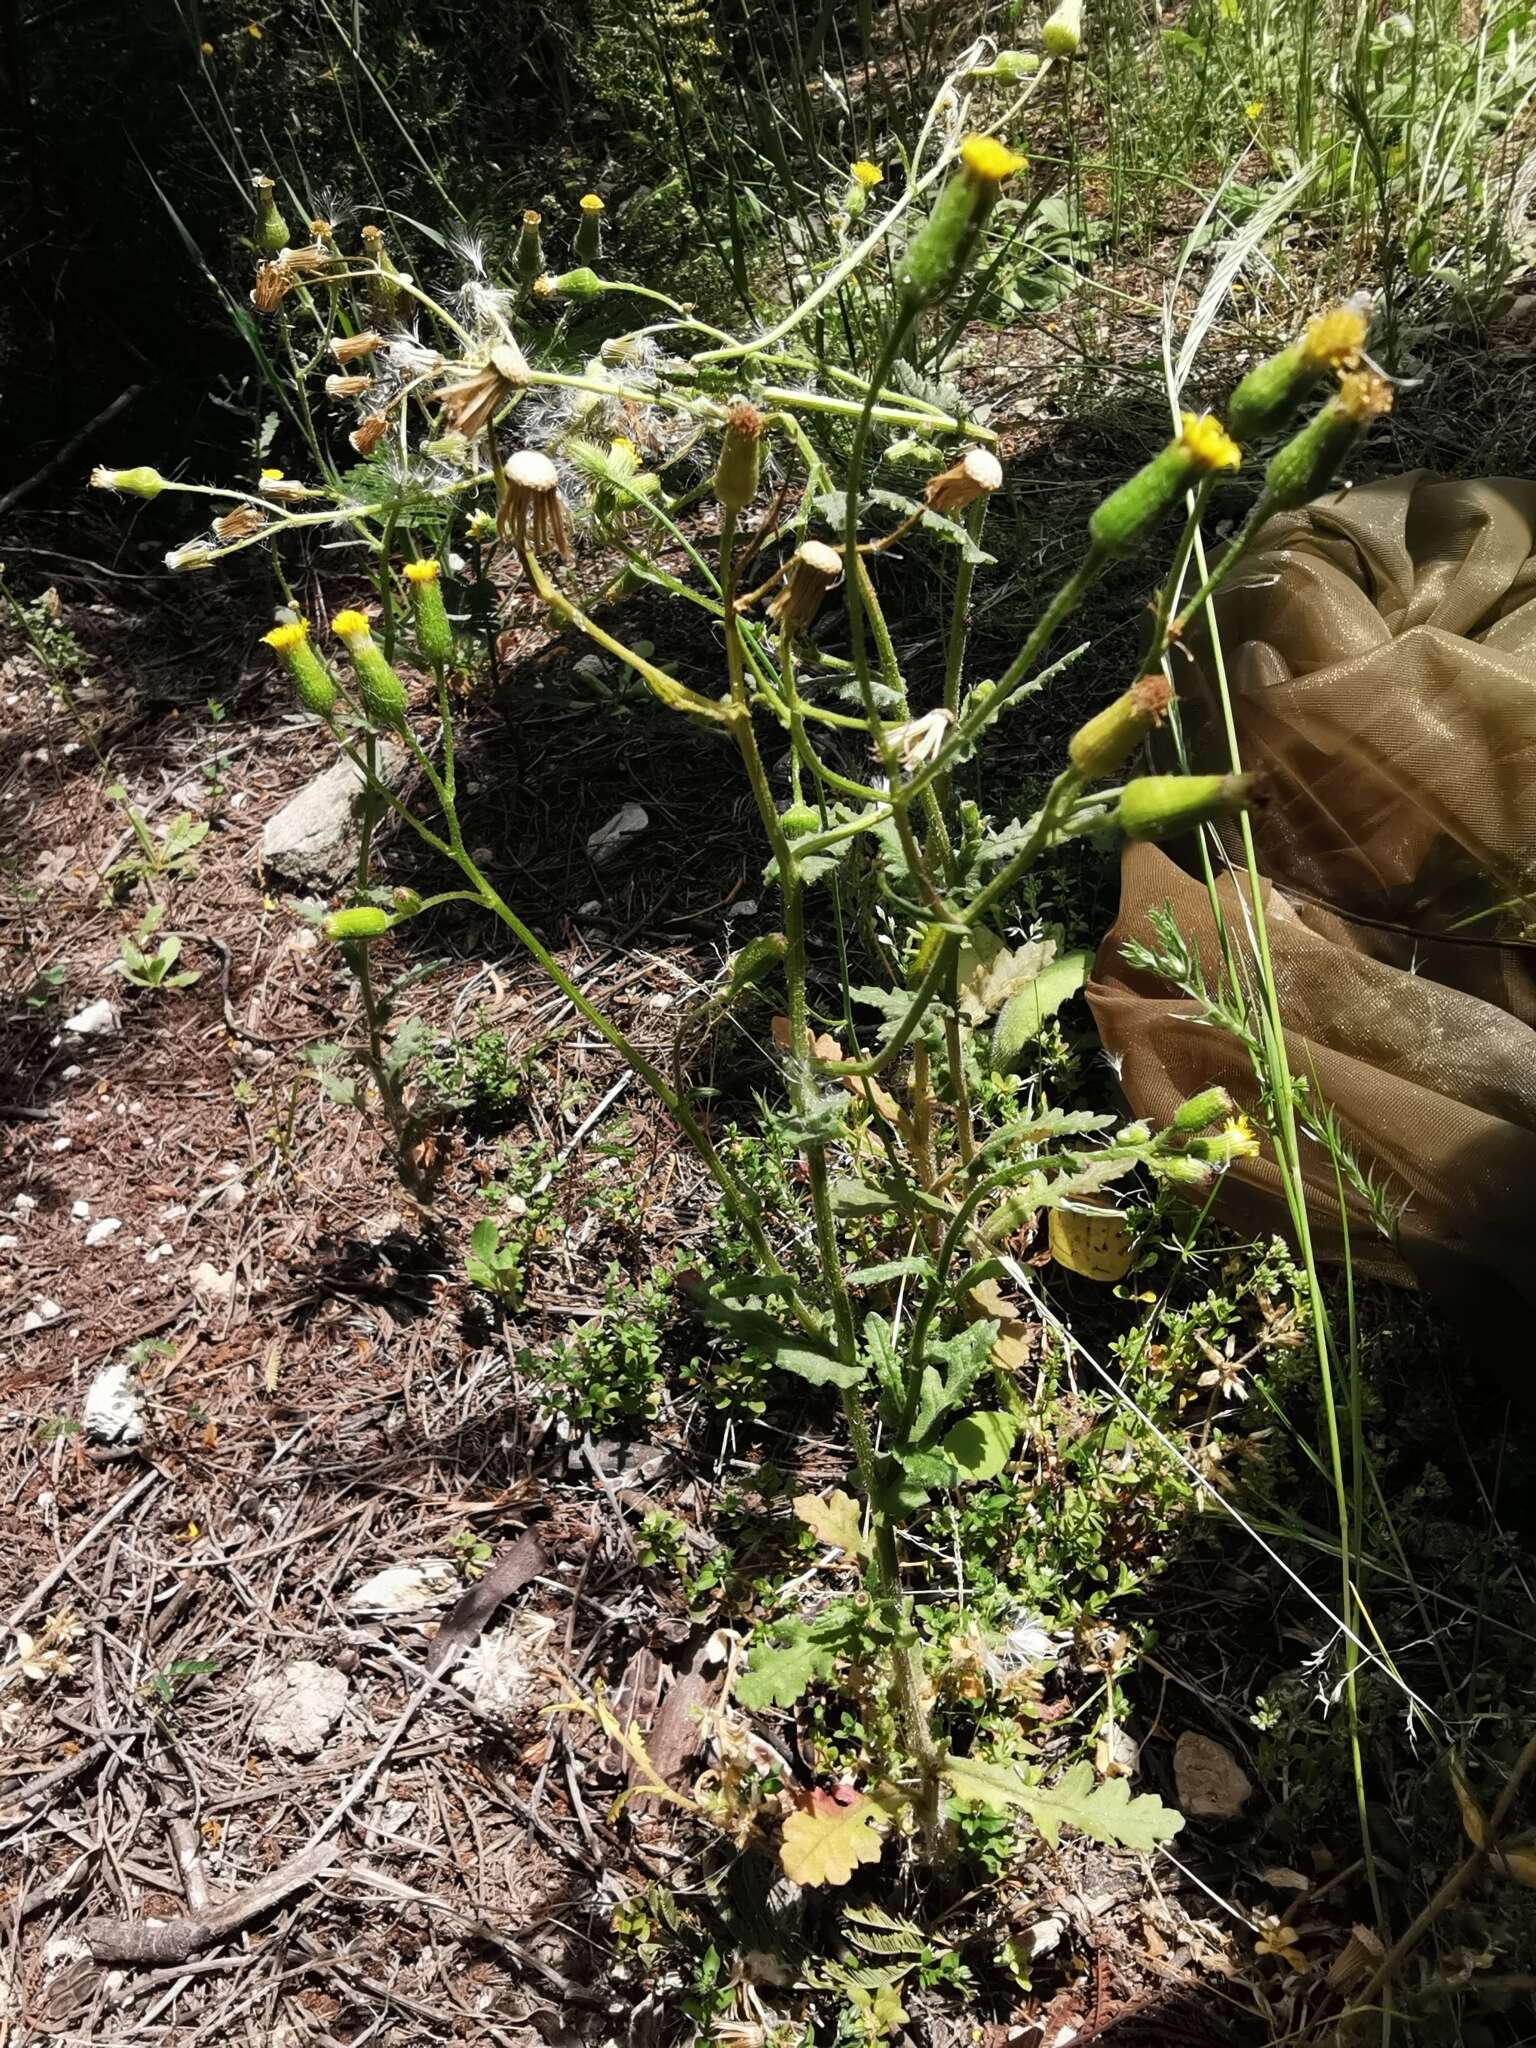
(321,231)
(1103,744)
(531,511)
(976,475)
(814,570)
(285,490)
(918,741)
(470,402)
(241,523)
(195,554)
(367,436)
(351,348)
(274,281)
(347,387)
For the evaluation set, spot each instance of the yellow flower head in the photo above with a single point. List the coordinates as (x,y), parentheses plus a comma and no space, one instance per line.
(545,287)
(350,625)
(866,174)
(1364,396)
(590,203)
(1333,341)
(988,159)
(427,571)
(622,446)
(1208,441)
(255,31)
(271,476)
(207,49)
(283,639)
(1239,1138)
(1253,109)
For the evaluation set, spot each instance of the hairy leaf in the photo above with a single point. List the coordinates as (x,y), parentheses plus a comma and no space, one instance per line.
(833,1518)
(1106,1811)
(979,1446)
(1023,1016)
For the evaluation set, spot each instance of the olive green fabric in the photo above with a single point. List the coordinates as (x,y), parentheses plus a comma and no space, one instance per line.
(1380,648)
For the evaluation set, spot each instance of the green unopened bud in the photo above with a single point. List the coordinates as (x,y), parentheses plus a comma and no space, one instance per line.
(572,284)
(1128,517)
(363,922)
(379,689)
(1273,389)
(1306,464)
(1199,1112)
(937,256)
(1158,806)
(1011,66)
(142,482)
(313,683)
(741,456)
(1099,747)
(528,257)
(271,228)
(798,820)
(434,635)
(588,244)
(1179,1171)
(1063,30)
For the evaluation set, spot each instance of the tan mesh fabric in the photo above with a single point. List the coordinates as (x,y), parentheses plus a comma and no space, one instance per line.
(1381,652)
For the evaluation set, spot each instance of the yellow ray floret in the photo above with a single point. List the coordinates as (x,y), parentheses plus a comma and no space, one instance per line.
(988,159)
(866,174)
(1208,441)
(1333,341)
(349,625)
(422,572)
(283,639)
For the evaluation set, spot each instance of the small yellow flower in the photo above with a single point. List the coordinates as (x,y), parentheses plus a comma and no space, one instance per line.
(988,159)
(1334,339)
(207,49)
(1240,1139)
(1253,109)
(271,476)
(866,174)
(1364,396)
(1208,441)
(349,625)
(622,447)
(255,31)
(426,571)
(590,203)
(283,639)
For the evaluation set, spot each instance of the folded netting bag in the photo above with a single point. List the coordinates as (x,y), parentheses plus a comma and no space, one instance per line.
(1380,649)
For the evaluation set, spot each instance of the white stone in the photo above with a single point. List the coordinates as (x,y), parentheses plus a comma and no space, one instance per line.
(312,841)
(406,1588)
(96,1020)
(113,1413)
(622,828)
(296,1710)
(80,1211)
(99,1232)
(210,1285)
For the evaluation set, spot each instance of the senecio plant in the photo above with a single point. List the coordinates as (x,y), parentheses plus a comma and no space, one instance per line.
(749,463)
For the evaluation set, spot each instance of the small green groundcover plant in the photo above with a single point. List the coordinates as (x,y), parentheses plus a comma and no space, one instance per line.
(735,479)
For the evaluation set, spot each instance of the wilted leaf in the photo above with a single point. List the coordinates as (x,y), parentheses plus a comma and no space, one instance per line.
(832,1519)
(830,1835)
(1095,1243)
(1521,1866)
(989,973)
(1471,1813)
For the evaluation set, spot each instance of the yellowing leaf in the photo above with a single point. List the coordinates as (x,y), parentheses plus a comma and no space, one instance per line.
(830,1835)
(1471,1813)
(1095,1243)
(1521,1866)
(833,1518)
(989,973)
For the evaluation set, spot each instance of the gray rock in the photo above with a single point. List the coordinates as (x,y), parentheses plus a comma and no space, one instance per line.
(312,841)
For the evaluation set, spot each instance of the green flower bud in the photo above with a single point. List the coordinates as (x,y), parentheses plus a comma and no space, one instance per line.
(1011,66)
(799,820)
(271,228)
(1128,517)
(1158,806)
(313,682)
(364,921)
(142,482)
(937,256)
(1198,1112)
(1099,747)
(1063,31)
(588,244)
(434,635)
(572,284)
(1306,464)
(379,689)
(528,256)
(741,456)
